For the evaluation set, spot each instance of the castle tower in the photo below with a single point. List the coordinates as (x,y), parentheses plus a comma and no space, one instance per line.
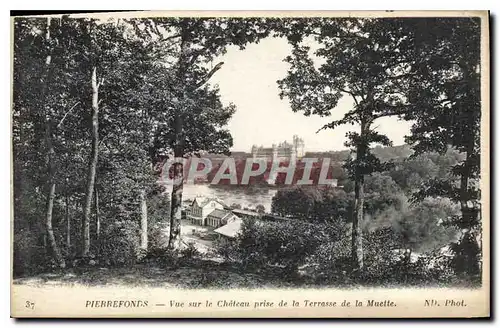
(298,145)
(254,151)
(275,152)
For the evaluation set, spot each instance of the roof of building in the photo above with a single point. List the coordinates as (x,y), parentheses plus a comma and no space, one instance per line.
(231,229)
(219,214)
(246,212)
(202,201)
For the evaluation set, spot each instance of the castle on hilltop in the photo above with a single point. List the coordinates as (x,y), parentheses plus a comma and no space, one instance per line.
(283,151)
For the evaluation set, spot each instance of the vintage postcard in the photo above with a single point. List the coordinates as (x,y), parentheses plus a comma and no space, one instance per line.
(251,164)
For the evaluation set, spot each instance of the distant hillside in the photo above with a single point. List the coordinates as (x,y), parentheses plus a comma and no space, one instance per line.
(384,153)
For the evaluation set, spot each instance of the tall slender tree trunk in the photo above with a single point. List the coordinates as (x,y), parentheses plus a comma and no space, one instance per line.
(51,184)
(97,214)
(144,221)
(68,225)
(464,186)
(92,166)
(51,194)
(359,197)
(357,233)
(465,174)
(470,246)
(174,239)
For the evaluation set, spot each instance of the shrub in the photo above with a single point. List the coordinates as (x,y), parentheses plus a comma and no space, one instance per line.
(379,256)
(170,258)
(333,261)
(158,236)
(466,260)
(119,244)
(387,261)
(312,203)
(264,244)
(190,251)
(29,257)
(433,267)
(227,249)
(334,258)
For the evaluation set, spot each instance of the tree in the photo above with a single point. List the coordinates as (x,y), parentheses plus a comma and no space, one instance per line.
(235,206)
(81,51)
(381,193)
(114,60)
(410,173)
(447,112)
(311,203)
(359,58)
(51,184)
(100,52)
(295,201)
(35,114)
(260,208)
(197,116)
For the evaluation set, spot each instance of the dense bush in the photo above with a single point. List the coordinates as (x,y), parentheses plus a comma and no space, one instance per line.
(173,258)
(385,262)
(227,249)
(312,203)
(190,251)
(466,259)
(324,251)
(169,258)
(119,244)
(379,256)
(283,244)
(332,261)
(29,256)
(158,236)
(418,225)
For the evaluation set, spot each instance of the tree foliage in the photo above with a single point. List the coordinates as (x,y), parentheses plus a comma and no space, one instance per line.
(448,100)
(313,204)
(358,58)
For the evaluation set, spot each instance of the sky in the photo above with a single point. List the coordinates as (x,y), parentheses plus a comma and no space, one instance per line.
(248,80)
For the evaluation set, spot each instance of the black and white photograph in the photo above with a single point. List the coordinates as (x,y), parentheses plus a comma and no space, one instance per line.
(212,152)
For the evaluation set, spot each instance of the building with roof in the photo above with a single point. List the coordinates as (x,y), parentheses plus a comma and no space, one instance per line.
(231,228)
(218,217)
(210,212)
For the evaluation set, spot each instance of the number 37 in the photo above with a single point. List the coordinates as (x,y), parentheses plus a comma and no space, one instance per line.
(30,305)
